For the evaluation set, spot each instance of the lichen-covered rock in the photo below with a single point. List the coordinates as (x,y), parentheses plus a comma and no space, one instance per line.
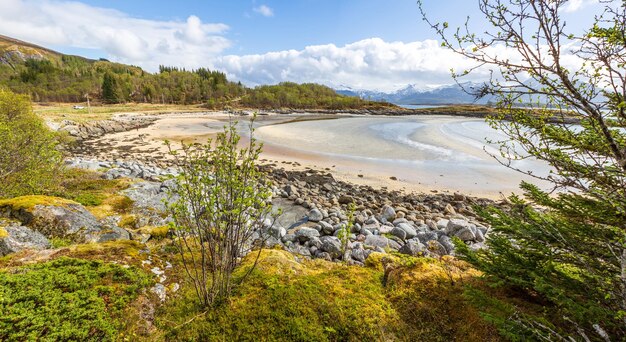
(15,237)
(53,217)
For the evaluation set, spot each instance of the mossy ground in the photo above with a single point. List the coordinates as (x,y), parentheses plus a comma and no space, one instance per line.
(28,202)
(286,299)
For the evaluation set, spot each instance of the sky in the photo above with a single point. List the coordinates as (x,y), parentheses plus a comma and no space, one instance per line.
(359,44)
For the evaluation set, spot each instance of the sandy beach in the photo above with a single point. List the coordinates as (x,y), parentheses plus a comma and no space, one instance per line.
(413,154)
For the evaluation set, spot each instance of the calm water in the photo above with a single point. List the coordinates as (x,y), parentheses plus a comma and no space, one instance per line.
(440,151)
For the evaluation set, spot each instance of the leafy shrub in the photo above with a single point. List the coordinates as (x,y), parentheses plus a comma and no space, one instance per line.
(29,159)
(67,299)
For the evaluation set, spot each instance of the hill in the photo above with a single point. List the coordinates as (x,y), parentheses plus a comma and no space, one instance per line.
(50,76)
(414,95)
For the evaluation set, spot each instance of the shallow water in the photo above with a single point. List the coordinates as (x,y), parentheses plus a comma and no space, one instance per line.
(441,152)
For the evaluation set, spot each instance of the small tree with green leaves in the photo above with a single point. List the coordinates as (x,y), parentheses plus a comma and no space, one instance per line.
(567,248)
(29,158)
(346,230)
(222,210)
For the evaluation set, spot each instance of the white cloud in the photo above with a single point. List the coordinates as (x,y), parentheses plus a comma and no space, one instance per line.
(264,11)
(366,64)
(147,43)
(576,5)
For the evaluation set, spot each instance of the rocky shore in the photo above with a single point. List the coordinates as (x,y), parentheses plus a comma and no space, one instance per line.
(315,210)
(94,129)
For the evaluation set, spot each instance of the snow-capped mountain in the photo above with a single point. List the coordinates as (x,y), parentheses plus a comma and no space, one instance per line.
(414,94)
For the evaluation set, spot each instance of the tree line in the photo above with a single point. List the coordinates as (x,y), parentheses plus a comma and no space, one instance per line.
(67,78)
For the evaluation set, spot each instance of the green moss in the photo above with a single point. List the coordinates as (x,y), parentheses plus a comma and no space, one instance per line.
(3,233)
(287,300)
(157,233)
(89,199)
(28,202)
(114,250)
(67,299)
(58,242)
(129,221)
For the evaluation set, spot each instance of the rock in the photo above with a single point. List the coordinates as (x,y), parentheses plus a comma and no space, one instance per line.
(53,217)
(413,248)
(399,232)
(277,231)
(315,215)
(345,199)
(160,291)
(436,248)
(113,233)
(449,209)
(455,225)
(380,241)
(408,229)
(289,238)
(446,242)
(358,254)
(332,246)
(424,237)
(385,229)
(15,237)
(442,224)
(388,213)
(148,196)
(327,228)
(323,255)
(290,190)
(465,234)
(305,234)
(479,236)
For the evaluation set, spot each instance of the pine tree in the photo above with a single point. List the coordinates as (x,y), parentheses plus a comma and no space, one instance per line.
(109,89)
(564,248)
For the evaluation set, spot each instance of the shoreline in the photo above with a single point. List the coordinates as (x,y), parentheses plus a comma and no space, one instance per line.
(145,144)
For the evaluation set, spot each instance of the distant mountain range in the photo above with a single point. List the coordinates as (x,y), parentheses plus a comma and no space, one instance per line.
(414,95)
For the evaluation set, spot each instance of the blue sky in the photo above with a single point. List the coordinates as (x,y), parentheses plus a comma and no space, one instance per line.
(365,44)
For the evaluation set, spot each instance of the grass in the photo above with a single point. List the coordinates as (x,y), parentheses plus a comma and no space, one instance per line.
(100,196)
(67,299)
(57,112)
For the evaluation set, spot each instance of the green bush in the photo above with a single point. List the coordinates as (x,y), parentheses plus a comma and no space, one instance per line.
(29,159)
(67,299)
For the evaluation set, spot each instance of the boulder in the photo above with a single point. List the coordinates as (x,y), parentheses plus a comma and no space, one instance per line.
(446,242)
(315,215)
(327,228)
(424,237)
(400,233)
(455,225)
(465,234)
(53,217)
(413,248)
(380,241)
(408,229)
(305,234)
(113,233)
(388,213)
(148,196)
(332,246)
(436,248)
(15,237)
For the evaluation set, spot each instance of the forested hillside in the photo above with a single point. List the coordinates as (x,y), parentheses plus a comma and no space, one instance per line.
(49,76)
